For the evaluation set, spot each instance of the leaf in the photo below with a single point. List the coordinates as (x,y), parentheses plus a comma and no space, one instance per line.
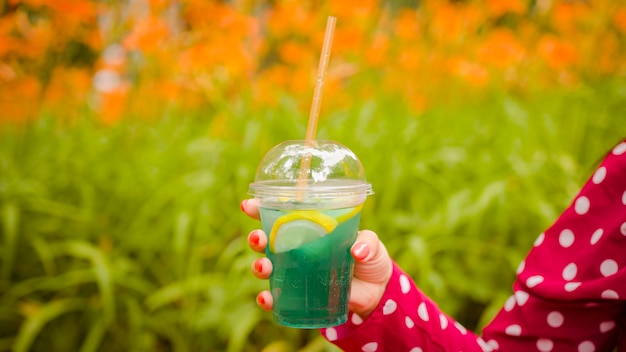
(101,268)
(40,317)
(10,215)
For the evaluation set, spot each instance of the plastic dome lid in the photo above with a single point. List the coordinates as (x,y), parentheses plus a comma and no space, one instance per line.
(322,171)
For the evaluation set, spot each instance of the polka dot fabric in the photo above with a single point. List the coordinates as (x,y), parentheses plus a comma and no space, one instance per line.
(569,294)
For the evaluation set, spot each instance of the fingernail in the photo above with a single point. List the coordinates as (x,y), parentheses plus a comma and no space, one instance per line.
(260,300)
(242,205)
(258,266)
(360,250)
(254,238)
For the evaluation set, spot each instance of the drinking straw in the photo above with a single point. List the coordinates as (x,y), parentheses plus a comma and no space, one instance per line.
(311,128)
(321,74)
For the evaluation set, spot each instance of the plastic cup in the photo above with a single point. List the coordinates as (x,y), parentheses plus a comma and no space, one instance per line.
(311,215)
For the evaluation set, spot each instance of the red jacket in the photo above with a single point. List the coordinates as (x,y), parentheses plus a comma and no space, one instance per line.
(569,294)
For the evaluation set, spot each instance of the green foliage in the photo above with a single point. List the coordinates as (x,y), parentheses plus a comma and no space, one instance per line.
(129,238)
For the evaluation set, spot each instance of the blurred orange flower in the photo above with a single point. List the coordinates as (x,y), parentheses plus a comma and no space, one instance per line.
(556,52)
(501,49)
(619,19)
(470,72)
(407,26)
(147,35)
(498,8)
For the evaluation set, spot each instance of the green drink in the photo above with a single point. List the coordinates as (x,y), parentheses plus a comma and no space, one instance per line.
(310,252)
(310,212)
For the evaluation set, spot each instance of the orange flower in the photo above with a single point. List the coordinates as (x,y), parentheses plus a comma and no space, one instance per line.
(567,16)
(291,19)
(498,8)
(19,99)
(347,10)
(407,26)
(294,53)
(347,40)
(453,22)
(557,53)
(471,72)
(378,51)
(619,19)
(501,49)
(113,105)
(147,35)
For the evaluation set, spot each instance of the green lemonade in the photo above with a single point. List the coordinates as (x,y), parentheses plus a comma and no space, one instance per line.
(312,265)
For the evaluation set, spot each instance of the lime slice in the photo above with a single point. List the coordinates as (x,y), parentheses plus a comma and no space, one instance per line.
(298,228)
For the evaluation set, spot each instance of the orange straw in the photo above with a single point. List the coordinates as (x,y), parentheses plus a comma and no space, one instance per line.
(311,128)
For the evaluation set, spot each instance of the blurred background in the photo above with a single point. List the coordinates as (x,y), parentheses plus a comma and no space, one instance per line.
(129,131)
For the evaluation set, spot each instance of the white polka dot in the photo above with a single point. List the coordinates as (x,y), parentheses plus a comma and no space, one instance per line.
(521,267)
(460,327)
(622,229)
(607,326)
(405,284)
(331,334)
(494,344)
(572,286)
(540,239)
(620,149)
(409,322)
(443,321)
(509,304)
(545,345)
(608,267)
(534,281)
(416,349)
(555,319)
(370,347)
(586,346)
(485,347)
(581,206)
(521,297)
(566,238)
(513,330)
(624,198)
(569,272)
(596,236)
(389,307)
(422,312)
(356,319)
(599,175)
(609,294)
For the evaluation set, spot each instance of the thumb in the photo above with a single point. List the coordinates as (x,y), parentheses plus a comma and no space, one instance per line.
(372,262)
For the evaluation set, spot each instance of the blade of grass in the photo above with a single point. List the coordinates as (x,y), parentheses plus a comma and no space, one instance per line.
(10,215)
(44,314)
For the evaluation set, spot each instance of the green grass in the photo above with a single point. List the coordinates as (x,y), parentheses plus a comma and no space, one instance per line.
(129,238)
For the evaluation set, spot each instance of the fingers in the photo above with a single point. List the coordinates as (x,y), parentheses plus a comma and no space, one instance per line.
(251,208)
(265,300)
(262,268)
(257,240)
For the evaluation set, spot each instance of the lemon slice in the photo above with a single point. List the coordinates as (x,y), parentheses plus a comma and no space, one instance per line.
(344,214)
(298,228)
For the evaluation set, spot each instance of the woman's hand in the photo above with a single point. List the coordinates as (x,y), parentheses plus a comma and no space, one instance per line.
(372,268)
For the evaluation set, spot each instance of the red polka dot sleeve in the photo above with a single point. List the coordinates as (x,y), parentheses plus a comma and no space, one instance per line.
(570,289)
(569,294)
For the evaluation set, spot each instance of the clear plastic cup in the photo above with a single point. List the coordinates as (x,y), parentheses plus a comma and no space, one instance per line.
(311,216)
